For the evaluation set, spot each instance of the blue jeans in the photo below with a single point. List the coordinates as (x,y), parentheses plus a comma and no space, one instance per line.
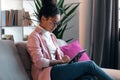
(76,70)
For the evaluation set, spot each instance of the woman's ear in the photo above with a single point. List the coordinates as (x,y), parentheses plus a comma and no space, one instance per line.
(43,19)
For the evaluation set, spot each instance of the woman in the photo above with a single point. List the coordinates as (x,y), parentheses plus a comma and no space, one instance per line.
(49,63)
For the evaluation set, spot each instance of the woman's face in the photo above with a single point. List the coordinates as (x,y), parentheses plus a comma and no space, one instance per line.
(50,23)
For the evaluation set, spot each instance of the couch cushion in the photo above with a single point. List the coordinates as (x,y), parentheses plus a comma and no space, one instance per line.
(72,49)
(25,57)
(11,67)
(114,73)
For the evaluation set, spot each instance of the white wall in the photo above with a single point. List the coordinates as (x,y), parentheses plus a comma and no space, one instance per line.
(14,4)
(85,22)
(17,32)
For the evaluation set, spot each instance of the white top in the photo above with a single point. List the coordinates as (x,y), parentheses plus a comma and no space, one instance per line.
(47,37)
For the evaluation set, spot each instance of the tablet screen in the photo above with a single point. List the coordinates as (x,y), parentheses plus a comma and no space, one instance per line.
(77,56)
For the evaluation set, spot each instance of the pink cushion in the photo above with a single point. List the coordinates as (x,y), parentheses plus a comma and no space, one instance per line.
(72,49)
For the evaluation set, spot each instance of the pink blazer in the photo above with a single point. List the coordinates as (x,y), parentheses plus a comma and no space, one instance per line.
(40,53)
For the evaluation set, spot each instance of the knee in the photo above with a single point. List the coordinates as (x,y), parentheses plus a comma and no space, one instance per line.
(91,64)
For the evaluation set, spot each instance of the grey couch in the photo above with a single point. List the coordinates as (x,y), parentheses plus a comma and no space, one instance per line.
(15,62)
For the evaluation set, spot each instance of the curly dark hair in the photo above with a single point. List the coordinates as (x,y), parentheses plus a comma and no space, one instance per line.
(49,9)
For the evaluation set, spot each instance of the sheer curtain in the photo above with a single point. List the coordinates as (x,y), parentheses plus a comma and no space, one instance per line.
(104,33)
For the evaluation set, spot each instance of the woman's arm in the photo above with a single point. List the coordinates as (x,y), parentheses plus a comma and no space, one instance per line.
(55,62)
(35,50)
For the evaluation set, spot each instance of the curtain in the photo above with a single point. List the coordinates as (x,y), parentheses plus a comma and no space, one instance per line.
(104,33)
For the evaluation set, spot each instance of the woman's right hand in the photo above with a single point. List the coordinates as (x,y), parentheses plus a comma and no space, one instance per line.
(65,59)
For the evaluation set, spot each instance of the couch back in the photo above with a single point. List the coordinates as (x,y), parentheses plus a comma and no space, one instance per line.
(11,67)
(15,62)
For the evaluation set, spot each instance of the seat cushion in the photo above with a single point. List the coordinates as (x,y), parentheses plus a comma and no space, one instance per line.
(11,67)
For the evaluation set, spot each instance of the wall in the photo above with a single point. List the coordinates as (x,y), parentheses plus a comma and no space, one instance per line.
(73,25)
(8,4)
(86,9)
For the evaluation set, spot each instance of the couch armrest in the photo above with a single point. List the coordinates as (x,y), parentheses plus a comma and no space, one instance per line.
(11,67)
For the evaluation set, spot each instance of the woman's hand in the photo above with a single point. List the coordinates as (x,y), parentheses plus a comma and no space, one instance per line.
(65,59)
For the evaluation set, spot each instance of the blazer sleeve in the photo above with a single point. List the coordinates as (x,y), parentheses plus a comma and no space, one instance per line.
(35,51)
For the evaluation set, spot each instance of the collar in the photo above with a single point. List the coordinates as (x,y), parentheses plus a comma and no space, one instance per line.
(41,30)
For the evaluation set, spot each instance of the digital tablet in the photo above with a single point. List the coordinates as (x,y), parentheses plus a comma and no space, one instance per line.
(77,56)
